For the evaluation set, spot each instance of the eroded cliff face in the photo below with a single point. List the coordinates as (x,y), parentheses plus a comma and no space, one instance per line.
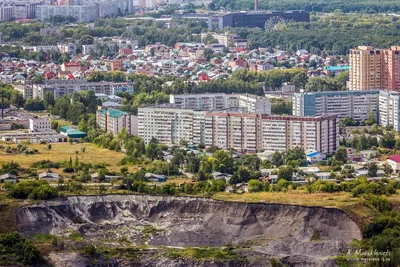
(300,236)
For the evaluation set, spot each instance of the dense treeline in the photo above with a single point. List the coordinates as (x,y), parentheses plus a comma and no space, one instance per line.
(369,6)
(335,33)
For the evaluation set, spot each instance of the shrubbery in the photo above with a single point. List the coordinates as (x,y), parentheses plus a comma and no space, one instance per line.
(32,190)
(16,246)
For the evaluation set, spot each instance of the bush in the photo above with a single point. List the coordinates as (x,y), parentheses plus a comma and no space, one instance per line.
(45,164)
(33,190)
(14,245)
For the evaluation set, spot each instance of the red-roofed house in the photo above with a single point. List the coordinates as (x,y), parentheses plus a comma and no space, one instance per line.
(71,66)
(394,162)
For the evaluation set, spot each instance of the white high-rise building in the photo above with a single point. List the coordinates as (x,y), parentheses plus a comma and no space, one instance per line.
(389,109)
(171,125)
(218,101)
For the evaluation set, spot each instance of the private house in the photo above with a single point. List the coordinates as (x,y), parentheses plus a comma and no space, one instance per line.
(152,177)
(394,162)
(315,157)
(220,176)
(8,178)
(266,155)
(107,178)
(49,176)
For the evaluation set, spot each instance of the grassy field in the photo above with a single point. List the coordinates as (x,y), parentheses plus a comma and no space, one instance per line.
(63,151)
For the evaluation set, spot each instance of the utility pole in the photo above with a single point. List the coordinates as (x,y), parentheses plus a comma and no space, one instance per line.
(2,104)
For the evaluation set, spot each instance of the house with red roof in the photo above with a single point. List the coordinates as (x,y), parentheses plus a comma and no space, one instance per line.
(71,66)
(394,162)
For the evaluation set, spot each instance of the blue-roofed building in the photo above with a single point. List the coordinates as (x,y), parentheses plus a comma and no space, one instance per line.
(113,121)
(315,157)
(335,69)
(353,104)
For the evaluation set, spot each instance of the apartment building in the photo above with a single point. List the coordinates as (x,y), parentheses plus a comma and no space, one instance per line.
(391,70)
(252,132)
(63,87)
(374,69)
(246,102)
(389,109)
(170,124)
(245,132)
(114,120)
(6,12)
(82,13)
(353,104)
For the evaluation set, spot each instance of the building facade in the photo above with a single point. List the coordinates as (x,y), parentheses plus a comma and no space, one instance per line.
(63,87)
(352,104)
(170,125)
(245,132)
(114,120)
(260,19)
(40,125)
(82,13)
(246,102)
(374,69)
(389,109)
(252,132)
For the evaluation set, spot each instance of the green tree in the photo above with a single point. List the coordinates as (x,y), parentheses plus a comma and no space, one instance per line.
(255,186)
(341,154)
(372,169)
(285,172)
(223,161)
(277,159)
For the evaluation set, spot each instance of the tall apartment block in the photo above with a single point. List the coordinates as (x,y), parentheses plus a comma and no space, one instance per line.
(170,125)
(245,132)
(252,132)
(246,102)
(389,109)
(353,104)
(113,121)
(374,69)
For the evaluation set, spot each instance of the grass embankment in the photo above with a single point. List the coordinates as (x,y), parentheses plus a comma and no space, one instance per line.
(356,208)
(63,152)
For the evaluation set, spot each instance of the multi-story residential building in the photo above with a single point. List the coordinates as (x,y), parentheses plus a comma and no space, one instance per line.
(6,12)
(374,69)
(114,120)
(246,132)
(391,70)
(252,132)
(389,109)
(218,101)
(365,68)
(63,87)
(82,13)
(170,124)
(353,104)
